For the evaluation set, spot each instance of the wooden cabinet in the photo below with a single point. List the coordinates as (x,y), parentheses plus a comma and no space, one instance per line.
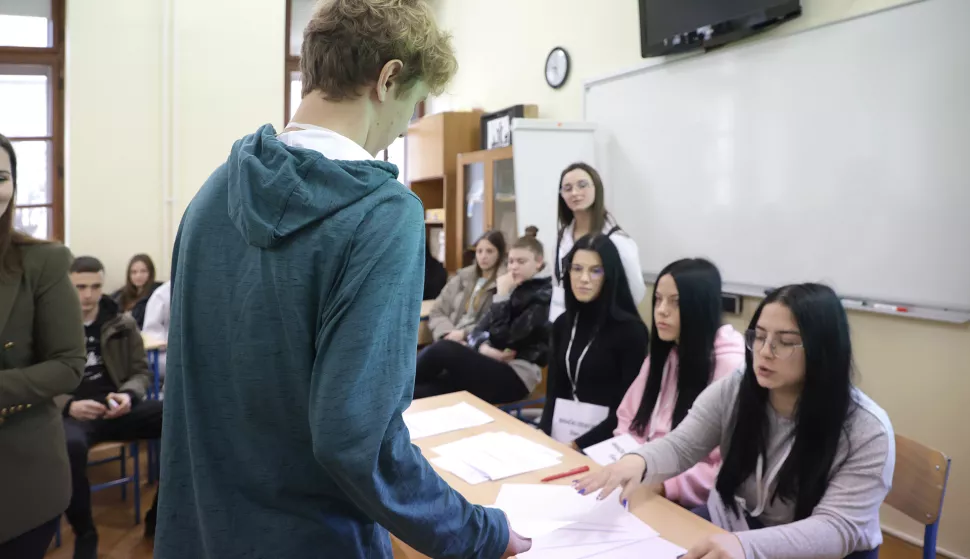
(434,143)
(486,198)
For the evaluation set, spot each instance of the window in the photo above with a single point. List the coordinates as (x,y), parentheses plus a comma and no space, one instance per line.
(298,14)
(32,110)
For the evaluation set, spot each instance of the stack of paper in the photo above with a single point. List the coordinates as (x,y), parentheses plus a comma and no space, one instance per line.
(609,451)
(566,525)
(493,456)
(444,420)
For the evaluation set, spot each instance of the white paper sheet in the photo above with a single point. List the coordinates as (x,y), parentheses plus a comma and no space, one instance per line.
(500,455)
(444,420)
(609,451)
(467,473)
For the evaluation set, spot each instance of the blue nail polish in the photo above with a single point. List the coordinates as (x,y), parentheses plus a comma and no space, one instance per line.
(624,502)
(582,491)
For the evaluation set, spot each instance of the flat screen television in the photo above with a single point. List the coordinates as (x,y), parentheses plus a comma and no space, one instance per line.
(674,26)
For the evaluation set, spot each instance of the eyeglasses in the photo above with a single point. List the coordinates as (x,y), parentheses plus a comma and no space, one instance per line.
(567,188)
(755,341)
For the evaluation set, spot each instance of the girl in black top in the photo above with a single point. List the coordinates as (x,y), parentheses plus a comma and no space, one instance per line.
(598,344)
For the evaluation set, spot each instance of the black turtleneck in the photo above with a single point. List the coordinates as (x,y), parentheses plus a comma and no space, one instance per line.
(609,368)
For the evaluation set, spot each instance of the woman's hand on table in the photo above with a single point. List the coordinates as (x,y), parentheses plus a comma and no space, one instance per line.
(625,474)
(721,546)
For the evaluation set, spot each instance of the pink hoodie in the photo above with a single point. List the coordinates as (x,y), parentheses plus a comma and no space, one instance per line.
(690,488)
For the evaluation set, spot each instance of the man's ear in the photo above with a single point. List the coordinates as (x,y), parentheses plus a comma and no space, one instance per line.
(387,82)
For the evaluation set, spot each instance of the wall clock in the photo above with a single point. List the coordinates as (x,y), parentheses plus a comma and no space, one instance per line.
(557,67)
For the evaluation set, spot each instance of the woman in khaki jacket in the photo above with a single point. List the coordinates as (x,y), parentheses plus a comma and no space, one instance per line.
(41,356)
(468,295)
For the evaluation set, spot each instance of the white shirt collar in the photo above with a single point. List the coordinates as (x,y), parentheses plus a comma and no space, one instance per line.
(329,143)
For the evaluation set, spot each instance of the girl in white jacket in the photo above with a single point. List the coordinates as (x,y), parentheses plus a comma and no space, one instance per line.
(582,210)
(156,320)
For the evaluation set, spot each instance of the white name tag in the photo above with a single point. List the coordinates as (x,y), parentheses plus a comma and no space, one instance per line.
(607,452)
(574,419)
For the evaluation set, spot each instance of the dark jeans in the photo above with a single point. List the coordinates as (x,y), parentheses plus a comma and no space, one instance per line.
(445,367)
(143,422)
(756,524)
(32,544)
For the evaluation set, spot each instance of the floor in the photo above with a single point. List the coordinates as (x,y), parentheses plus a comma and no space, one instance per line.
(120,538)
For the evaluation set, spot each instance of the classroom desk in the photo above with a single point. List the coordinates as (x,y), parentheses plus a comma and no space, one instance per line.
(673,522)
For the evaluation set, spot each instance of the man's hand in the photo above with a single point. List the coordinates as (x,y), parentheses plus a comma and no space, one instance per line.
(504,284)
(119,404)
(86,410)
(517,544)
(455,336)
(498,355)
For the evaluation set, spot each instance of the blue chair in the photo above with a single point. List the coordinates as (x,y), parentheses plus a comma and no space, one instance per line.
(124,451)
(919,486)
(154,393)
(535,400)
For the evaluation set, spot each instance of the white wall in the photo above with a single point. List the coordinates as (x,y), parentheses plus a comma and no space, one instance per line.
(918,371)
(157,91)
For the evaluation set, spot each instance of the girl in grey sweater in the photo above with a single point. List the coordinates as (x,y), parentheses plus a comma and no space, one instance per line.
(808,458)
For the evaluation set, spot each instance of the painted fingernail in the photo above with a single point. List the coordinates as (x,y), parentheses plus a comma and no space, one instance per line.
(624,502)
(582,491)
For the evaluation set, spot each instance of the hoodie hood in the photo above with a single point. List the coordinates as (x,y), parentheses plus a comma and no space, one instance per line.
(728,341)
(276,190)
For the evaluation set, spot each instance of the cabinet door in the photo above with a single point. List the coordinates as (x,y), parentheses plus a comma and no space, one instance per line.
(474,210)
(503,199)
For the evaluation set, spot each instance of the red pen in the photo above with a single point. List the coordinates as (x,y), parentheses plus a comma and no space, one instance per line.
(573,472)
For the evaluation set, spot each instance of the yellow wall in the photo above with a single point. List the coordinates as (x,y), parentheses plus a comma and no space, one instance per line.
(157,91)
(918,371)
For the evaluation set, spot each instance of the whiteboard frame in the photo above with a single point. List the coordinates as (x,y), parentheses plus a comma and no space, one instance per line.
(952,316)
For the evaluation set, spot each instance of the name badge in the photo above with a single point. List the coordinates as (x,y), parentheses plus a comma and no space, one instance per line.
(609,451)
(574,419)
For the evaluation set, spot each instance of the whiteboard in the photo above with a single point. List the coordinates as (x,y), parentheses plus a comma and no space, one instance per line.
(541,149)
(840,154)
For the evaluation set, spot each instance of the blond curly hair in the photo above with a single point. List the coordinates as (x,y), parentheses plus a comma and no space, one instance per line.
(348,42)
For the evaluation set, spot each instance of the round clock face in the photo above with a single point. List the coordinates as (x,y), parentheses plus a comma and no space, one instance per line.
(557,67)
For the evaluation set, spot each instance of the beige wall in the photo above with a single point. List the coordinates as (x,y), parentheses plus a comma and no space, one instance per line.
(157,91)
(918,371)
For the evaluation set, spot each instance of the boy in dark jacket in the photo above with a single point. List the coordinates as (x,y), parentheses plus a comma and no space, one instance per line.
(502,359)
(110,403)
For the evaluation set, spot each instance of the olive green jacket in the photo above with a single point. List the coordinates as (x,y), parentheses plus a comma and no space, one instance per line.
(42,355)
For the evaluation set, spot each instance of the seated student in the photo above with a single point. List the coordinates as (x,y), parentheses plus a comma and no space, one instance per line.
(156,320)
(435,275)
(689,350)
(468,295)
(503,357)
(598,345)
(139,285)
(110,403)
(582,210)
(809,458)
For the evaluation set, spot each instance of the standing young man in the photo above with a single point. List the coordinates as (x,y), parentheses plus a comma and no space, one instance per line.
(110,403)
(298,273)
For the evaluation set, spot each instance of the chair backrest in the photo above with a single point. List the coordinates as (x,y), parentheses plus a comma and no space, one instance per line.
(919,481)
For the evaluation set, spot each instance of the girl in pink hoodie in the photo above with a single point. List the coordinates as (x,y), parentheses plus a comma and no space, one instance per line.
(691,349)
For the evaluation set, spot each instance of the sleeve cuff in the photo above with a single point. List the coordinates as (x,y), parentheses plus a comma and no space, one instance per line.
(66,411)
(134,396)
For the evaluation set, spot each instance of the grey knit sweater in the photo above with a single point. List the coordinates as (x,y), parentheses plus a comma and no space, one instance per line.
(847,518)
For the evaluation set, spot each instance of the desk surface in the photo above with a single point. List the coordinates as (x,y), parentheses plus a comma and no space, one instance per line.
(673,522)
(426,308)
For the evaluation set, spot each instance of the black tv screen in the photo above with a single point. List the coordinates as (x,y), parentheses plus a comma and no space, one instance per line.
(672,26)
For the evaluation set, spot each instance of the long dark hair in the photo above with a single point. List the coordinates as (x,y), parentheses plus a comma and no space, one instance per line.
(9,237)
(615,302)
(497,239)
(699,287)
(821,411)
(130,293)
(598,214)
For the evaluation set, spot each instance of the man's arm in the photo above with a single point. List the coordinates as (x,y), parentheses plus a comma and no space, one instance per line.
(362,380)
(140,375)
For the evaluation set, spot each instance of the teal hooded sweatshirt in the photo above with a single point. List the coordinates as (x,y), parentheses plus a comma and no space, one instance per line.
(297,285)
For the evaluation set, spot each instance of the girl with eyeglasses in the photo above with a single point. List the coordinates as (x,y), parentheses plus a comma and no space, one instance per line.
(582,211)
(689,349)
(597,346)
(808,458)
